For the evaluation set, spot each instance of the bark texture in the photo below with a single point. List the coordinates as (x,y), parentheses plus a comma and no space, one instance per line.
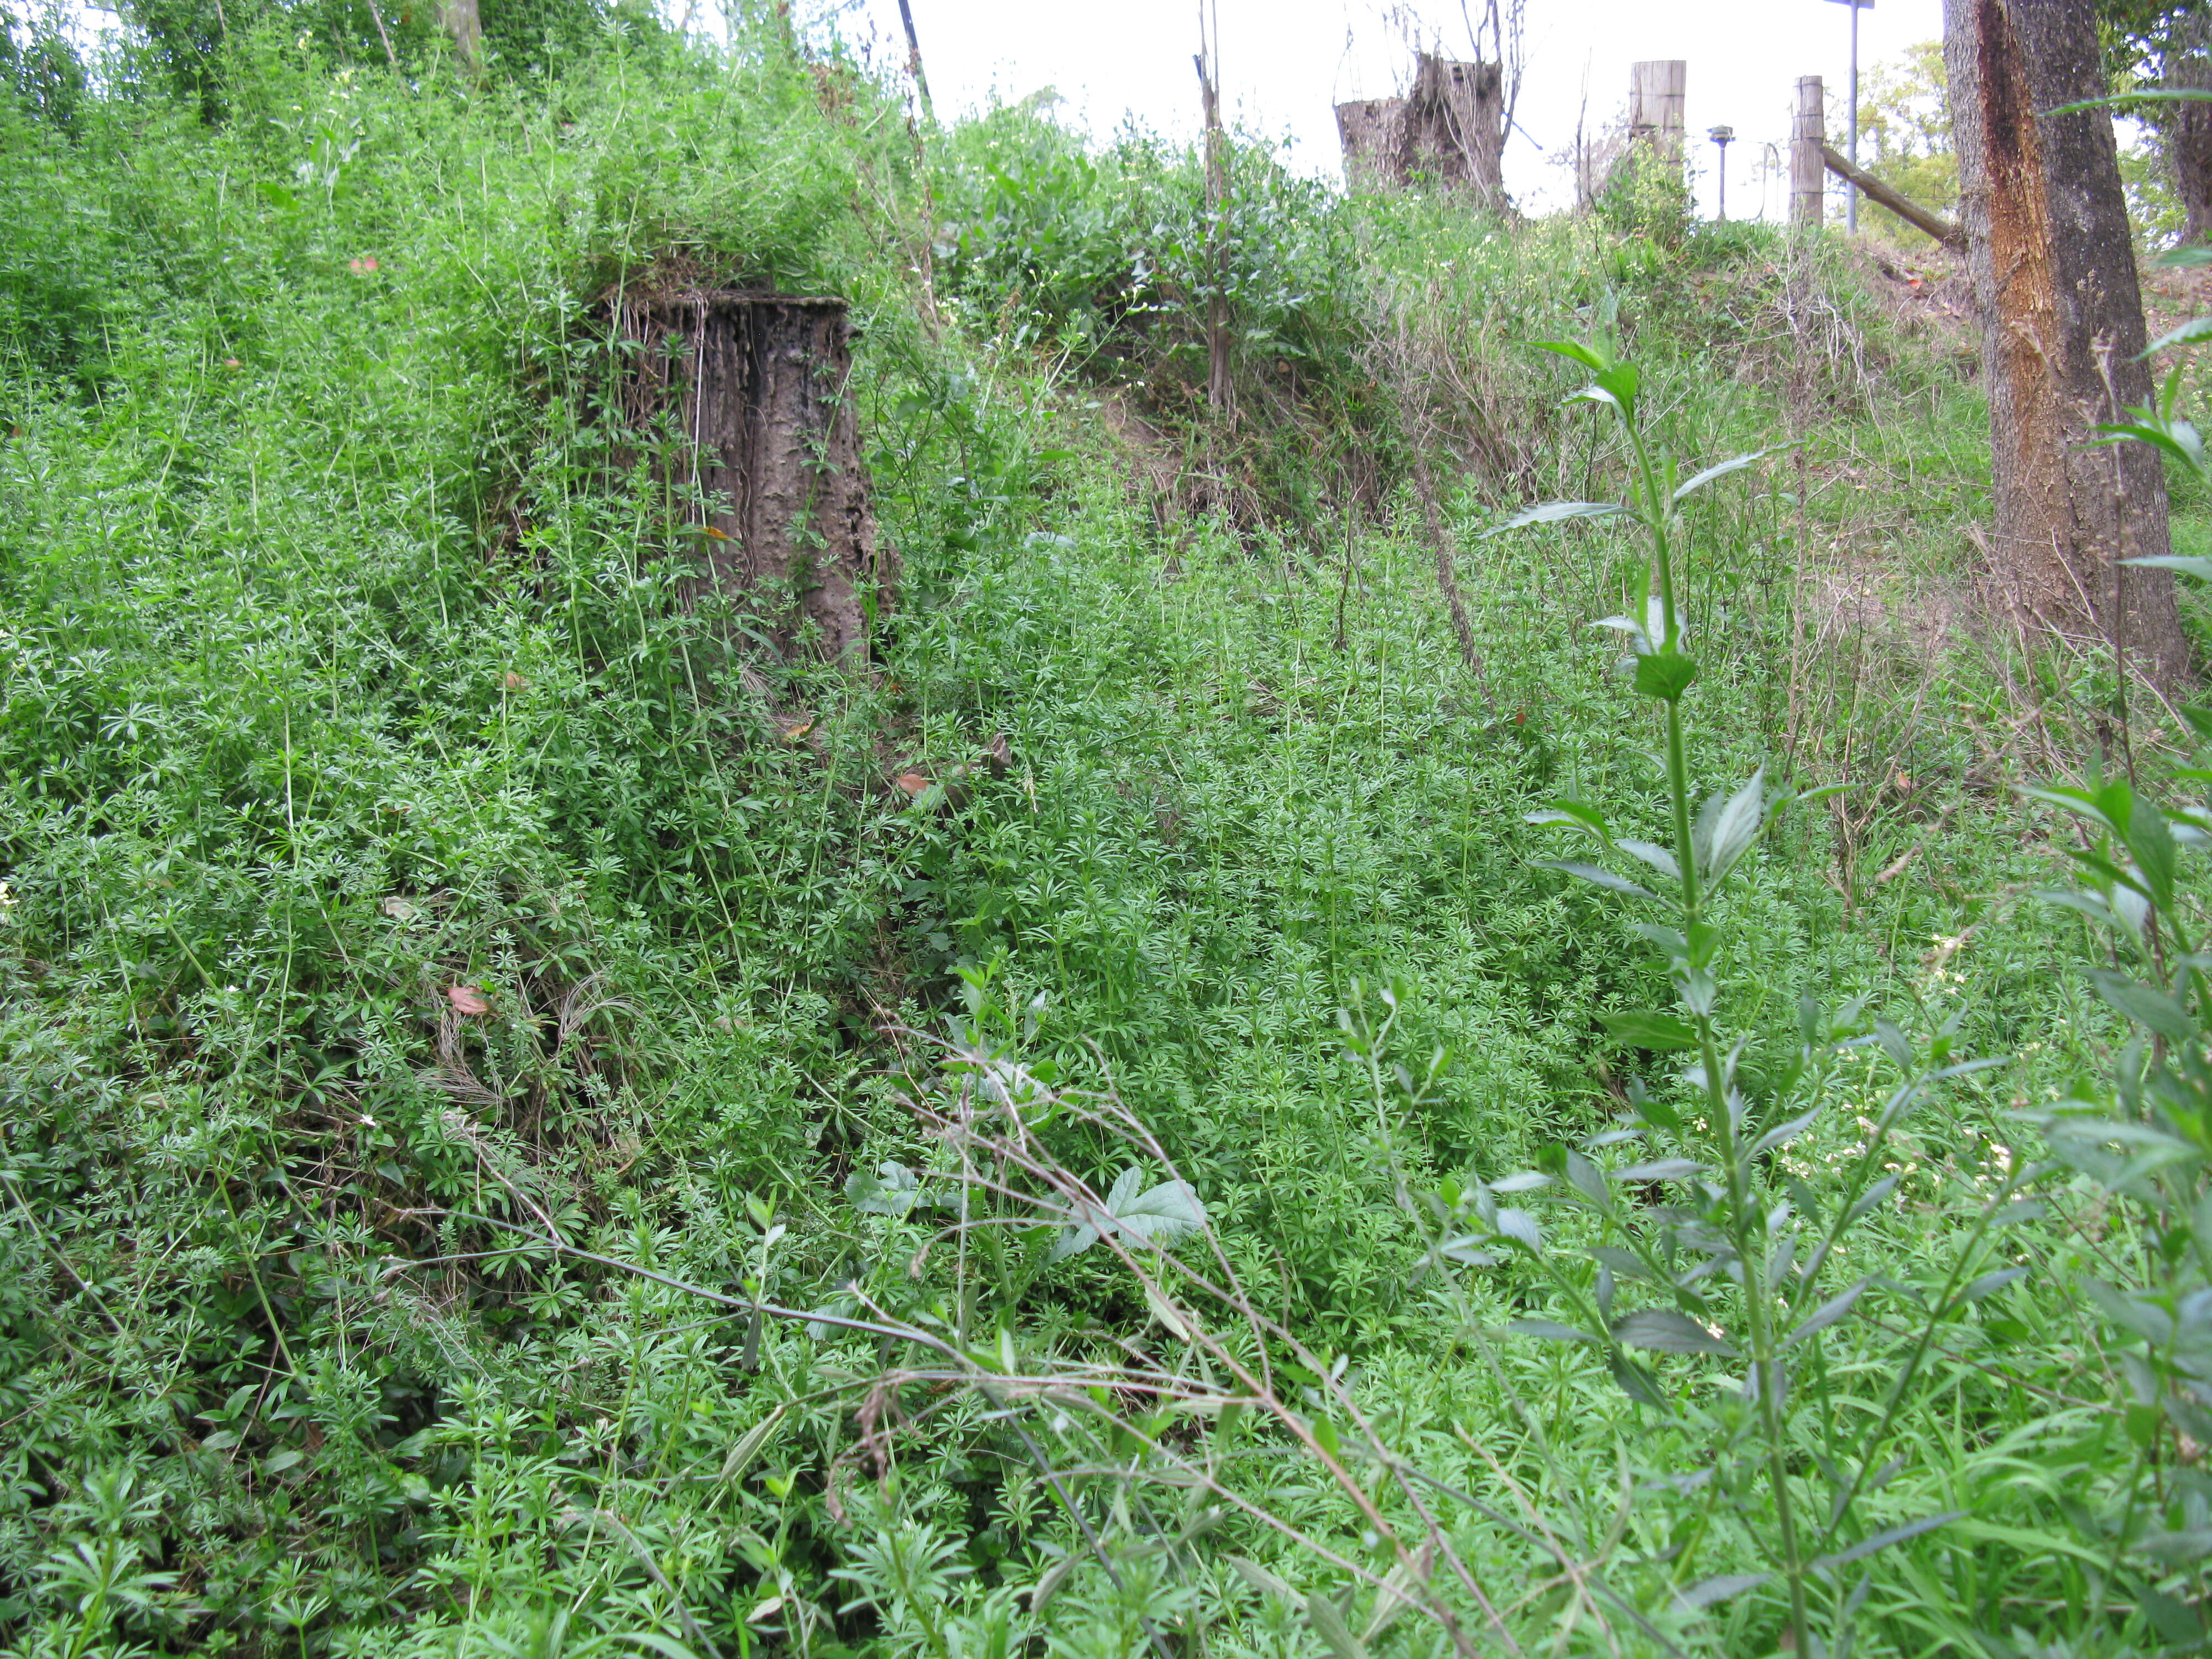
(2054,273)
(2184,131)
(769,466)
(1449,129)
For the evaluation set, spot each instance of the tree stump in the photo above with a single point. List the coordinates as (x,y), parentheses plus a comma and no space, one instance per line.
(770,460)
(1451,129)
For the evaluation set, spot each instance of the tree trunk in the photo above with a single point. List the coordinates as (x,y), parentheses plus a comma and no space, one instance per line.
(465,23)
(2054,274)
(770,476)
(1449,129)
(2184,131)
(1372,132)
(1455,121)
(1220,388)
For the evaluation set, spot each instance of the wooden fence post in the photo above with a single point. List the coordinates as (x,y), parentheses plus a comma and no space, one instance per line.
(1656,92)
(1808,169)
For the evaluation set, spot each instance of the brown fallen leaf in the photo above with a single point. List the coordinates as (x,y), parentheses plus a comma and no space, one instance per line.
(467,999)
(399,909)
(913,782)
(793,733)
(515,681)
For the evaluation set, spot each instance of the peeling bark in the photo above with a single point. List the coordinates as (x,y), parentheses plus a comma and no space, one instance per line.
(2054,274)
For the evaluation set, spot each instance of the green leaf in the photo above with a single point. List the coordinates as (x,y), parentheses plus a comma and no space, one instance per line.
(2154,1010)
(1827,1313)
(1665,674)
(1662,1330)
(1650,1029)
(1588,356)
(1657,857)
(891,1191)
(1555,512)
(1884,1539)
(1597,876)
(1720,1587)
(1727,825)
(2152,842)
(1328,1620)
(1721,469)
(1261,1579)
(1157,1216)
(1660,1168)
(1549,1329)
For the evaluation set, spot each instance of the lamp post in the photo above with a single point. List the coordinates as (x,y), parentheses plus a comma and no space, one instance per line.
(1722,136)
(1850,190)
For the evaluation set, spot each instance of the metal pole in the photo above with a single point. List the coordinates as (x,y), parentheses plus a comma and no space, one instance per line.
(1851,191)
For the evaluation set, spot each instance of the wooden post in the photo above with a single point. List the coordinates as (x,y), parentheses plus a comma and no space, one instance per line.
(2049,245)
(1220,389)
(1808,172)
(1656,92)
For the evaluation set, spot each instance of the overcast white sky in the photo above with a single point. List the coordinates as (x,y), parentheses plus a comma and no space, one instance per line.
(1285,64)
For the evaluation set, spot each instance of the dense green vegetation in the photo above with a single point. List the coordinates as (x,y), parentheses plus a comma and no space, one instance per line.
(1245,1195)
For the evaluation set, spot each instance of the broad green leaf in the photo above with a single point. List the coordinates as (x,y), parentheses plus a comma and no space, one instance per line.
(2188,564)
(1665,674)
(1550,1329)
(1884,1539)
(1827,1313)
(1657,857)
(1662,1330)
(1650,1029)
(1726,825)
(1597,876)
(1660,1169)
(1588,356)
(2149,1008)
(1556,511)
(1720,1587)
(1328,1620)
(891,1191)
(1722,468)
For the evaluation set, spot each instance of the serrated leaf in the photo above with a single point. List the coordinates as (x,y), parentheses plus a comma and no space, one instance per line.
(1665,674)
(1650,1029)
(1662,1330)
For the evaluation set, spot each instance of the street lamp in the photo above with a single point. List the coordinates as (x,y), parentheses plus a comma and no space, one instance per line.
(1850,190)
(1722,136)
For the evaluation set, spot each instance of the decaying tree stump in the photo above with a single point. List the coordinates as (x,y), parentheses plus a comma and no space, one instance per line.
(771,458)
(2048,243)
(1449,129)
